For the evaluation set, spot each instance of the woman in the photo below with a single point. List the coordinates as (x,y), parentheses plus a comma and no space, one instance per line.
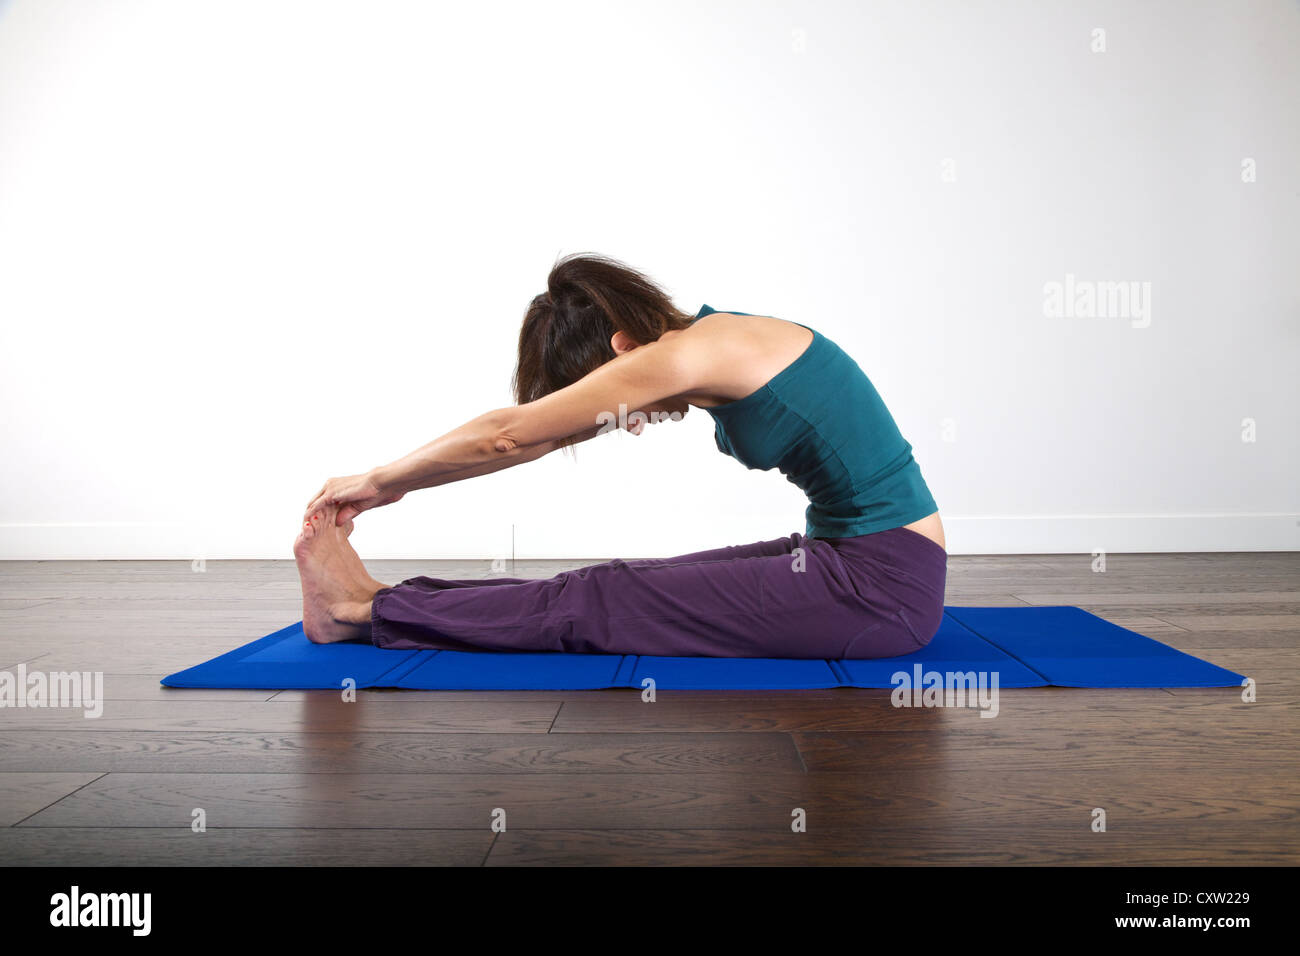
(604,348)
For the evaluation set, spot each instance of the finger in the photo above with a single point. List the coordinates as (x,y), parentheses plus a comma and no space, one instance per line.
(346,514)
(320,502)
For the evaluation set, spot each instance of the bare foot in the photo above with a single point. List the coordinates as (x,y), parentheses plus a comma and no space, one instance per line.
(347,529)
(336,589)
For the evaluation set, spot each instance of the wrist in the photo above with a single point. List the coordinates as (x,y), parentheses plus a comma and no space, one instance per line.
(385,479)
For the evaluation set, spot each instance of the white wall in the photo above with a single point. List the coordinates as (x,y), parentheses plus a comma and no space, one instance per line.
(245,246)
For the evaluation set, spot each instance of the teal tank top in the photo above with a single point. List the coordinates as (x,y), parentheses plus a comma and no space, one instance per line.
(821,423)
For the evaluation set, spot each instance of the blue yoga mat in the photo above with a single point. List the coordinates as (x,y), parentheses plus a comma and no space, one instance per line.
(1024,646)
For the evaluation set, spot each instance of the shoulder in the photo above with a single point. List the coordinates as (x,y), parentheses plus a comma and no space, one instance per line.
(714,330)
(730,337)
(725,356)
(717,337)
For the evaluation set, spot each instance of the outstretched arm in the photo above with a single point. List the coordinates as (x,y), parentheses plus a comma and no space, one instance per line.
(391,476)
(357,493)
(510,436)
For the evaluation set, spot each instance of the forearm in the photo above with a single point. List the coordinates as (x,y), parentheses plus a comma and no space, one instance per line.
(466,452)
(461,453)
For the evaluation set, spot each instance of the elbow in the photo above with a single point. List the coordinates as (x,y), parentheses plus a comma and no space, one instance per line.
(501,445)
(498,437)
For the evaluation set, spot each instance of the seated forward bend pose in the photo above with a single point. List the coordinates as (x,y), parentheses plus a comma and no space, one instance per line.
(865,579)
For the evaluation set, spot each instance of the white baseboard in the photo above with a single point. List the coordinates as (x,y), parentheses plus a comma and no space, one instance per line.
(986,534)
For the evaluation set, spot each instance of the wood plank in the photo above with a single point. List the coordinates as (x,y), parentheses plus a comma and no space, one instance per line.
(178,846)
(1129,748)
(1278,668)
(995,796)
(23,794)
(147,687)
(973,597)
(1150,844)
(18,656)
(1193,641)
(1168,598)
(376,752)
(126,658)
(1152,627)
(1047,708)
(317,714)
(1237,622)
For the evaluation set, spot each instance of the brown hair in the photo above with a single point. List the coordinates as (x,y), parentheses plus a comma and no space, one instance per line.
(566,329)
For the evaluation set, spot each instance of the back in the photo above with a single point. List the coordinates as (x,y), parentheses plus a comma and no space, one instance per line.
(822,424)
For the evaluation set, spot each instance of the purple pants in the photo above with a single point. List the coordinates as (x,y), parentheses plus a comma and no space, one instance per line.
(873,595)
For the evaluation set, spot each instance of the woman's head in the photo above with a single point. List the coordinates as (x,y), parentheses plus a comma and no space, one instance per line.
(568,329)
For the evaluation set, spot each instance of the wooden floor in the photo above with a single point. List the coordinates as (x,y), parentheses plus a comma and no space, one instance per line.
(1184,776)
